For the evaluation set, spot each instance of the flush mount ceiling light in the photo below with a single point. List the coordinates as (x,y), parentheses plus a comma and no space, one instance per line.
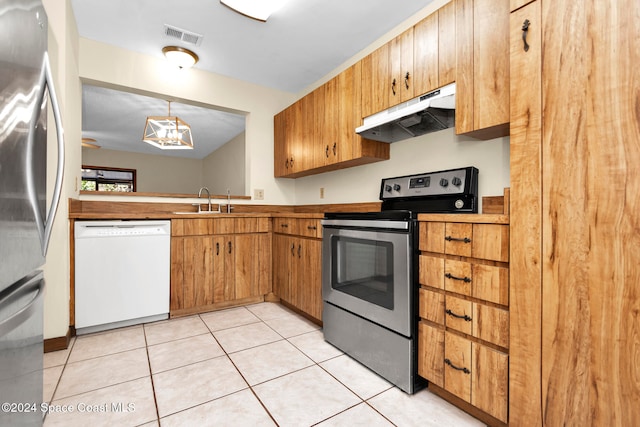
(256,9)
(183,58)
(89,143)
(167,132)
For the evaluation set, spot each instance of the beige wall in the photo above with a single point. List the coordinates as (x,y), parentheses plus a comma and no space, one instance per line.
(63,52)
(150,75)
(224,168)
(154,173)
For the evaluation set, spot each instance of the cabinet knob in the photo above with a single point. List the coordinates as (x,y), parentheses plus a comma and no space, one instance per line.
(393,86)
(406,80)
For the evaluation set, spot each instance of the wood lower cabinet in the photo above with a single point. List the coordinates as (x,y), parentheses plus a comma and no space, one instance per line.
(463,334)
(297,279)
(216,262)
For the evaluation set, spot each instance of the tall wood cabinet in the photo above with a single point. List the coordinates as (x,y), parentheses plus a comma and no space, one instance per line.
(463,334)
(575,294)
(216,262)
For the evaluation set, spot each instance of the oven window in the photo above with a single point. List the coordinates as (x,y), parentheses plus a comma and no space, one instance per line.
(363,269)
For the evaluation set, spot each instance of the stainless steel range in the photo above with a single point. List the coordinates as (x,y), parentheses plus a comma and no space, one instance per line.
(369,270)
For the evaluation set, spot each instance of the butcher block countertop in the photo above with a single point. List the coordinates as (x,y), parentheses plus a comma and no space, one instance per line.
(472,218)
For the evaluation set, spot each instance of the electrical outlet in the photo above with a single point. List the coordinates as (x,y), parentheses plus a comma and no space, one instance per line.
(258,194)
(322,192)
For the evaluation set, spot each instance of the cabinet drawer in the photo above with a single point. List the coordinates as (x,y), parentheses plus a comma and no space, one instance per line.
(458,277)
(490,324)
(491,241)
(491,283)
(457,369)
(459,314)
(490,378)
(431,353)
(458,238)
(285,225)
(309,228)
(431,271)
(432,237)
(251,225)
(431,306)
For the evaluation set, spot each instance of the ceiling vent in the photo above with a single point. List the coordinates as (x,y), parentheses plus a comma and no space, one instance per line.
(183,35)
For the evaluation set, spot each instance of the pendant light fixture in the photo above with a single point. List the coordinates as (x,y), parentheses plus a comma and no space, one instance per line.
(167,132)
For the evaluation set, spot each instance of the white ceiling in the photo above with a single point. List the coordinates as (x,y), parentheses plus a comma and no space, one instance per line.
(297,46)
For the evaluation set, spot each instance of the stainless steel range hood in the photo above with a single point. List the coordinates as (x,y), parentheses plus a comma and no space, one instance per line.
(427,113)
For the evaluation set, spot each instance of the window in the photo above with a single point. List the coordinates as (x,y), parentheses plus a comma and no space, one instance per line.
(97,178)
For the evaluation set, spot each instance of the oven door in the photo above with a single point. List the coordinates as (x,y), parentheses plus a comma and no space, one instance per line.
(368,272)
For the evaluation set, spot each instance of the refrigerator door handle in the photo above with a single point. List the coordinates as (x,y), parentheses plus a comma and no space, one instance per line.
(45,225)
(9,324)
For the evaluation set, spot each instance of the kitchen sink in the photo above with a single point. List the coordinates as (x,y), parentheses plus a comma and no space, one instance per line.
(196,213)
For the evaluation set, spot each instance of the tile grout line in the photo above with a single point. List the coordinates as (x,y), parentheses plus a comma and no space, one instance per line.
(55,389)
(153,385)
(240,373)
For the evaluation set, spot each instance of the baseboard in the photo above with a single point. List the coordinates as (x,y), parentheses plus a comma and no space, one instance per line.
(59,343)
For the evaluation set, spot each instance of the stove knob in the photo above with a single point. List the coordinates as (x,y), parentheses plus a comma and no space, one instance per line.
(459,204)
(387,188)
(456,181)
(444,182)
(396,187)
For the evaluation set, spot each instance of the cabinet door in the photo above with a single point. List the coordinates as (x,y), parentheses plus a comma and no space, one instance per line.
(282,266)
(246,252)
(431,306)
(431,353)
(223,266)
(525,263)
(346,92)
(330,133)
(310,277)
(457,371)
(431,271)
(177,273)
(376,81)
(425,47)
(280,149)
(198,271)
(401,65)
(446,44)
(490,241)
(490,376)
(482,71)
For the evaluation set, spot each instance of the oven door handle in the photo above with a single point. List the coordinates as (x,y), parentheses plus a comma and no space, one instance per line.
(389,225)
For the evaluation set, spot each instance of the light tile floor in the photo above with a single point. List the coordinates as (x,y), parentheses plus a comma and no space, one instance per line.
(259,365)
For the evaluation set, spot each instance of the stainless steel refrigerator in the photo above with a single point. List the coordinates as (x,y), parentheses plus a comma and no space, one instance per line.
(26,93)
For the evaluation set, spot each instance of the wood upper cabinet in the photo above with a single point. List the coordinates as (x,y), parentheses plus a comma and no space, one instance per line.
(434,50)
(387,75)
(323,136)
(482,73)
(401,66)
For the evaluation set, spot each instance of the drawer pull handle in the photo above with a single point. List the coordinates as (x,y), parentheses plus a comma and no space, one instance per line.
(465,317)
(284,225)
(293,249)
(217,248)
(465,370)
(311,227)
(462,279)
(229,246)
(456,239)
(299,251)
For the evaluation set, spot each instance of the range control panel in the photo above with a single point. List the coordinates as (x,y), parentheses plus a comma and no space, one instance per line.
(448,182)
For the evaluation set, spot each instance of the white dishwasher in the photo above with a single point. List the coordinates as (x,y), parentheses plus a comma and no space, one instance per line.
(122,271)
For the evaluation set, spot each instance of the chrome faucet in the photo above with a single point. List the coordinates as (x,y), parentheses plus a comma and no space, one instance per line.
(229,207)
(208,197)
